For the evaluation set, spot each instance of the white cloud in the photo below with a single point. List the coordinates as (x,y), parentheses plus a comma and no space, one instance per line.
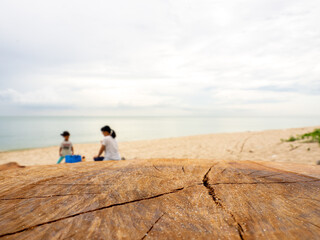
(41,97)
(167,57)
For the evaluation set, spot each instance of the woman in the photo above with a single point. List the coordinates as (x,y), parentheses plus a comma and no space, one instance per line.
(109,145)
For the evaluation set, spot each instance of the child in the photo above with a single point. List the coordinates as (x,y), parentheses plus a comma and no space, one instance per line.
(66,147)
(109,145)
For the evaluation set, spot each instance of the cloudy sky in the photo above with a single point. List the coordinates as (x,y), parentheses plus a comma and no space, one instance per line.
(160,57)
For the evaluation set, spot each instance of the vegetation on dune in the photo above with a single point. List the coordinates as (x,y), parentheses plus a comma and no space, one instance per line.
(308,137)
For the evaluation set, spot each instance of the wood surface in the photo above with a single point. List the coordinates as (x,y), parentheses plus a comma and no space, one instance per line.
(161,199)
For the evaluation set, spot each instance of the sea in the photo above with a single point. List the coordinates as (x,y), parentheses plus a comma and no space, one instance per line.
(25,132)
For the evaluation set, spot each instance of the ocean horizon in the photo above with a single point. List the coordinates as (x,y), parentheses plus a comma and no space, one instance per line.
(24,132)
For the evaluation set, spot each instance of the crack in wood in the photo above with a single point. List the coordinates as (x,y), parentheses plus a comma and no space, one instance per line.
(309,223)
(72,184)
(253,172)
(43,197)
(304,221)
(218,202)
(271,175)
(152,226)
(156,168)
(223,170)
(93,210)
(197,184)
(39,182)
(183,169)
(93,174)
(312,199)
(70,236)
(66,195)
(240,183)
(284,171)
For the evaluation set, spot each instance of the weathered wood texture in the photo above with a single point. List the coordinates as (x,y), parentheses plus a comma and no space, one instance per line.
(161,199)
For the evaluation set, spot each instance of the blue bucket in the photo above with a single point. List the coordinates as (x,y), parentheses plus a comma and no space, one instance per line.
(73,158)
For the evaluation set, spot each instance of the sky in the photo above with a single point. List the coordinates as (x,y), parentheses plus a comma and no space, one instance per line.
(160,57)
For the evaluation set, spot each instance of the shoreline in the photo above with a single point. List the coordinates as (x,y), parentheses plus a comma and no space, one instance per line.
(263,145)
(153,139)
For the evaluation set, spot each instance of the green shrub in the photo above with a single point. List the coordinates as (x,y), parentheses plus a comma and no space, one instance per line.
(292,139)
(309,137)
(312,136)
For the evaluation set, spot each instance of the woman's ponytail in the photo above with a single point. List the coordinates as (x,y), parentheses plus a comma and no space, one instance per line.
(109,130)
(113,133)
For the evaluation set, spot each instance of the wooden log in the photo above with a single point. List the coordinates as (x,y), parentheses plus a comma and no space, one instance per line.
(161,199)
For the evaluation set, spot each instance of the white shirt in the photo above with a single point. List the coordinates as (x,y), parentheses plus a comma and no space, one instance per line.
(66,148)
(111,148)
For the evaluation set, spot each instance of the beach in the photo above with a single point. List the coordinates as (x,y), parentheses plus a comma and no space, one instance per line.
(248,185)
(255,146)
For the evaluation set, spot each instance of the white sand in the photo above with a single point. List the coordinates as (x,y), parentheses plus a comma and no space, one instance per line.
(259,146)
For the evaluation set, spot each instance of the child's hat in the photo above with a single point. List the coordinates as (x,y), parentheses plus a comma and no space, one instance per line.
(65,133)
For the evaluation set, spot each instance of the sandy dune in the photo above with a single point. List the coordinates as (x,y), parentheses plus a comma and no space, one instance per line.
(257,146)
